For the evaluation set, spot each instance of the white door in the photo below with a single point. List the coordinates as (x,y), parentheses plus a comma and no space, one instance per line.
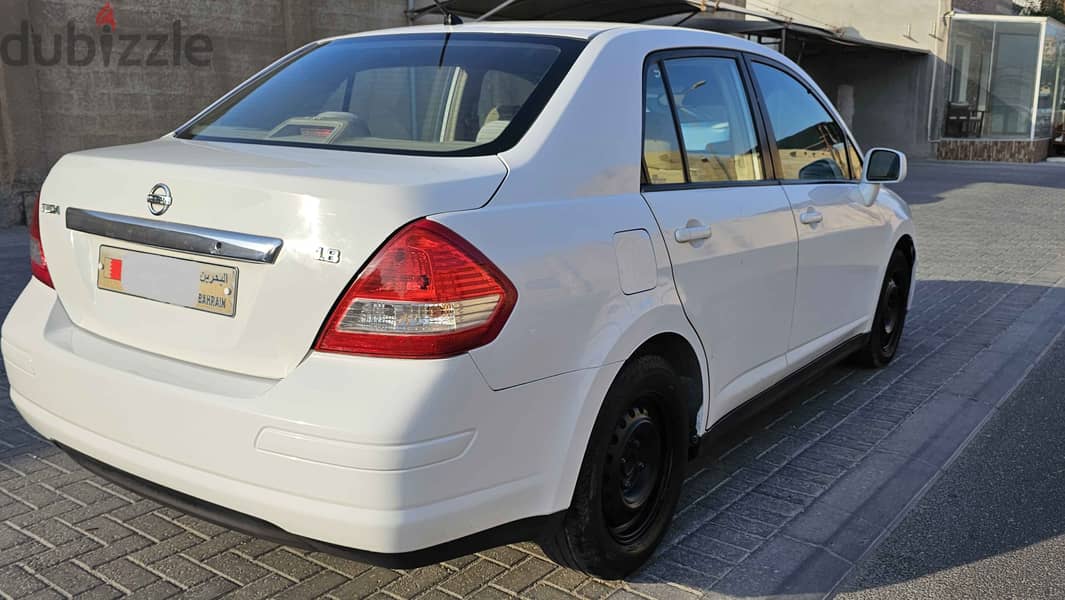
(841,237)
(728,228)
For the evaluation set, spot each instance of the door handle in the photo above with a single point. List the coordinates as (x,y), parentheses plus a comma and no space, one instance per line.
(811,217)
(684,235)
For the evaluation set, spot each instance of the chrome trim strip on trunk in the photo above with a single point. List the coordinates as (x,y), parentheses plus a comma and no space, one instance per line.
(173,236)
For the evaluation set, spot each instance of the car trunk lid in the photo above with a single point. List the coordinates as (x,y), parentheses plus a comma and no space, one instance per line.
(328,210)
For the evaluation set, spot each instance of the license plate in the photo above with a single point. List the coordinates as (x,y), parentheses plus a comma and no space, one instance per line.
(187,283)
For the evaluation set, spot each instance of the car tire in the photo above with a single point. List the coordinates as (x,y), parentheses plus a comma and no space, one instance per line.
(631,476)
(890,317)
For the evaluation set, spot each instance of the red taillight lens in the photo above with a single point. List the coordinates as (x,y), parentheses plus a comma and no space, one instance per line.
(427,293)
(38,264)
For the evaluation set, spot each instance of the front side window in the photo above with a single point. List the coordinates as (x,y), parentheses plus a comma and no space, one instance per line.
(811,144)
(464,94)
(855,161)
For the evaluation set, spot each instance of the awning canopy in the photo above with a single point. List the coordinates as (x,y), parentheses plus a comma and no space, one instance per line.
(710,15)
(758,25)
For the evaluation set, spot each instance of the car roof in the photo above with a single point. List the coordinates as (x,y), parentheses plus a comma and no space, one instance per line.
(585,30)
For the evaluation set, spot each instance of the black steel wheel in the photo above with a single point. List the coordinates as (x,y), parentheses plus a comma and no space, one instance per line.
(893,314)
(890,317)
(637,462)
(630,479)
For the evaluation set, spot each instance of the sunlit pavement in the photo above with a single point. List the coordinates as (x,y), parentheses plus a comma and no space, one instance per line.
(785,505)
(994,525)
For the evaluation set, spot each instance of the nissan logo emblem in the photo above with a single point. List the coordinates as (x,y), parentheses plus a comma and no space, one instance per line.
(159,200)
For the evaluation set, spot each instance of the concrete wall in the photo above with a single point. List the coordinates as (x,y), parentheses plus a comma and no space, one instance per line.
(47,111)
(909,23)
(890,95)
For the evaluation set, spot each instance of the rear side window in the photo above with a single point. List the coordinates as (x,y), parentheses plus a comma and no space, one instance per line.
(715,119)
(811,144)
(661,150)
(698,123)
(457,94)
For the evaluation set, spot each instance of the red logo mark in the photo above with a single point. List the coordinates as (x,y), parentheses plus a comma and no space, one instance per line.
(106,16)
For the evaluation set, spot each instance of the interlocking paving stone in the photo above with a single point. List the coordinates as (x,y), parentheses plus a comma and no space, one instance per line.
(127,574)
(784,504)
(69,577)
(784,566)
(315,586)
(838,531)
(214,587)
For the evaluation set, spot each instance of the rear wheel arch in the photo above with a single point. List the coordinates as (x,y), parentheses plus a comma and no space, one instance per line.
(631,471)
(675,349)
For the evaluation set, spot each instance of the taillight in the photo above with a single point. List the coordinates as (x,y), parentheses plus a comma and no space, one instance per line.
(427,293)
(38,264)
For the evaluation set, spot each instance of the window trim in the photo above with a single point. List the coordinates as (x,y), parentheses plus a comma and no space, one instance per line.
(749,60)
(658,57)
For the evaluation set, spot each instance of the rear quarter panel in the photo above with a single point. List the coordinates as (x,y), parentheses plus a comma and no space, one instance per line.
(571,313)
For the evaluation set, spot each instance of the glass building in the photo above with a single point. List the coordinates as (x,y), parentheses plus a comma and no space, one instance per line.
(1004,88)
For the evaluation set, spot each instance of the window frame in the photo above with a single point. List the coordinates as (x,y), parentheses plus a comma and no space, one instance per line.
(854,172)
(769,168)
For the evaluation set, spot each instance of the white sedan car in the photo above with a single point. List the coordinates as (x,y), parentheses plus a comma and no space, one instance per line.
(405,295)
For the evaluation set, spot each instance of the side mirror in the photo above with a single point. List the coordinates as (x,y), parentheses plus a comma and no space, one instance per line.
(883,165)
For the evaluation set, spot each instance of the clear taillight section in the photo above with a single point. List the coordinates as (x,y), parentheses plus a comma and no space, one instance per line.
(38,264)
(427,293)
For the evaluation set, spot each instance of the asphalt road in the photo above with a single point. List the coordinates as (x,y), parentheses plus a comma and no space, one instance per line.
(994,525)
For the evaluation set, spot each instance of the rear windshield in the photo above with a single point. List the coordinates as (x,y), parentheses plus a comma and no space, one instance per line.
(458,93)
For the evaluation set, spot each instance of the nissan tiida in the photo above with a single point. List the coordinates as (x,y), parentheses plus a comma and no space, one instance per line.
(406,295)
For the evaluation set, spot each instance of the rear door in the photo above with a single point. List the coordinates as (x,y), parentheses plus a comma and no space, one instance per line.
(727,223)
(840,235)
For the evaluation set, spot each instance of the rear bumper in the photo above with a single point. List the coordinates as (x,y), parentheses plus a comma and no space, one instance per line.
(504,534)
(389,457)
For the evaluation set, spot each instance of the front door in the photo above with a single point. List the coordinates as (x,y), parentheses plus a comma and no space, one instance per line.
(841,235)
(728,227)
